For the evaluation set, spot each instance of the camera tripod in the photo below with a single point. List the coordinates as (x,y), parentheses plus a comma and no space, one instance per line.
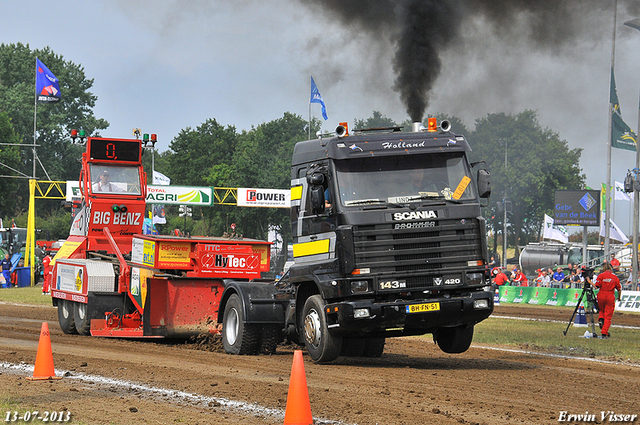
(591,307)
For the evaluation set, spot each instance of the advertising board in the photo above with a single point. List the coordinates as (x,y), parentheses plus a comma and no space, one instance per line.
(579,207)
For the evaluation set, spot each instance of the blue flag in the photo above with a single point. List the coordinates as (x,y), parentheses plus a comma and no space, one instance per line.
(47,86)
(316,97)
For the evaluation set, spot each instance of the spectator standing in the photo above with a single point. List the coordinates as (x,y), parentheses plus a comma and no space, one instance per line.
(577,279)
(557,278)
(519,278)
(615,264)
(544,280)
(6,270)
(499,278)
(608,284)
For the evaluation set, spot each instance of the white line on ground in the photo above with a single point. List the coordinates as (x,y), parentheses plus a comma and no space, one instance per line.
(555,321)
(560,356)
(175,395)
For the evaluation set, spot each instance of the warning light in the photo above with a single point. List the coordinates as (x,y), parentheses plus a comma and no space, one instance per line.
(82,135)
(432,125)
(149,143)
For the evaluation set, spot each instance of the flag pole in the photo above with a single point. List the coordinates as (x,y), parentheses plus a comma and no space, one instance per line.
(309,120)
(31,228)
(608,193)
(35,109)
(636,208)
(310,111)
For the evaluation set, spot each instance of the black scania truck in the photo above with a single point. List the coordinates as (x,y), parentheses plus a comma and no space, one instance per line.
(388,240)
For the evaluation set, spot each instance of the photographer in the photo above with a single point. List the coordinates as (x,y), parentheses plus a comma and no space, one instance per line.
(608,283)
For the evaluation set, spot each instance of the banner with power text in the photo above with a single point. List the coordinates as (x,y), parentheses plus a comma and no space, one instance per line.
(202,195)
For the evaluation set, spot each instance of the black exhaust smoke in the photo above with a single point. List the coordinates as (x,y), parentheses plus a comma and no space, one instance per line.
(417,61)
(423,29)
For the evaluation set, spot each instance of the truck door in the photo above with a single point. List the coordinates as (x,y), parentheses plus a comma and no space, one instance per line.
(313,229)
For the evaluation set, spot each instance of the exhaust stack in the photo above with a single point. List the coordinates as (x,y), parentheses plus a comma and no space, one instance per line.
(417,127)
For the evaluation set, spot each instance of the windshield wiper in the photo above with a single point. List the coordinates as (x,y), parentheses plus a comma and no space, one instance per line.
(364,202)
(434,197)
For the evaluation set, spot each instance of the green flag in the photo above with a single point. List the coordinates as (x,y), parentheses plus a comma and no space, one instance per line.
(622,137)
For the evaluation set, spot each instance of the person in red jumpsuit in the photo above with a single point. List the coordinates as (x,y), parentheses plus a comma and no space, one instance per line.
(46,270)
(608,283)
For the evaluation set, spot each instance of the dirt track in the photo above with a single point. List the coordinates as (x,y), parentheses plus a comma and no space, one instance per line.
(412,383)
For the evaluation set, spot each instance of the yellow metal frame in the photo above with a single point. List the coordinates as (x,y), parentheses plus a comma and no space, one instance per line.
(225,196)
(40,189)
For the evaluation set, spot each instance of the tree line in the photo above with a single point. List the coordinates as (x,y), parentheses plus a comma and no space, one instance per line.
(217,155)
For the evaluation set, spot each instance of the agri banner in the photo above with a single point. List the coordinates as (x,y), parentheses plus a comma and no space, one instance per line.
(540,296)
(72,190)
(273,198)
(180,195)
(159,194)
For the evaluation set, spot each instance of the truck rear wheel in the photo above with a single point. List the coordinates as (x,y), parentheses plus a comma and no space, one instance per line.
(269,339)
(238,337)
(321,345)
(82,318)
(66,317)
(373,347)
(352,347)
(454,340)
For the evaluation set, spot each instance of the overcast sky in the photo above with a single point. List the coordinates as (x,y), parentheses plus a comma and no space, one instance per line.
(164,66)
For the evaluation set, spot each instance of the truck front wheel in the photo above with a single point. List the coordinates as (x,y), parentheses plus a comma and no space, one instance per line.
(454,340)
(321,345)
(65,317)
(238,337)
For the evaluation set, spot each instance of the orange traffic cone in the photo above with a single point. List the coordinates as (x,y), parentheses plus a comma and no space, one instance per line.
(298,407)
(43,369)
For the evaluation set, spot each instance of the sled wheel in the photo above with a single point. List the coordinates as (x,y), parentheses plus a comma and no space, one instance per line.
(66,317)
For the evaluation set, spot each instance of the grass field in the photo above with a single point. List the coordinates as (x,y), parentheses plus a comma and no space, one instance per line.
(538,336)
(26,295)
(548,337)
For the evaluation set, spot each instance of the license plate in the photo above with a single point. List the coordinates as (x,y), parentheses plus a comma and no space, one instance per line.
(421,308)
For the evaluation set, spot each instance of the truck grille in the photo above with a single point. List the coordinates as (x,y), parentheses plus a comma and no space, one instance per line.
(418,255)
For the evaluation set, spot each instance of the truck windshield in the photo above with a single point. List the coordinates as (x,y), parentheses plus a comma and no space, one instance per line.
(114,179)
(404,179)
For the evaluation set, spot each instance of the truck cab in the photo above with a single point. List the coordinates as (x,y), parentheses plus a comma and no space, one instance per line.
(388,240)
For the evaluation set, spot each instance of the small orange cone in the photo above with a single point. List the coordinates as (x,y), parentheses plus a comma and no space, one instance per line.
(298,407)
(43,369)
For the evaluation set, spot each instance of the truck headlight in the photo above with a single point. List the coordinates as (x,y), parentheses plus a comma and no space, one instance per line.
(359,286)
(475,278)
(482,304)
(361,313)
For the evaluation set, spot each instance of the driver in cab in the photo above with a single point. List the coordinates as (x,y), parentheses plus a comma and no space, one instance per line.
(103,184)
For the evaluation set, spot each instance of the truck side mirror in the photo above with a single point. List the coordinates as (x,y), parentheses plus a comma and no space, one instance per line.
(317,199)
(316,191)
(315,179)
(484,184)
